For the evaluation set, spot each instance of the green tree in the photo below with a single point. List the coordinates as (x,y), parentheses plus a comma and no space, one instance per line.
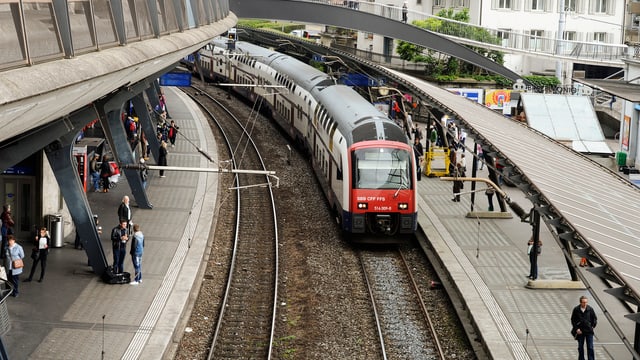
(443,65)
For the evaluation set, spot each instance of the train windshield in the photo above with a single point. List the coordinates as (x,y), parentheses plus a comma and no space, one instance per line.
(381,168)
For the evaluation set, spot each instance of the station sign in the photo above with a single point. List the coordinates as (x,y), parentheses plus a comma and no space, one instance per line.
(175,79)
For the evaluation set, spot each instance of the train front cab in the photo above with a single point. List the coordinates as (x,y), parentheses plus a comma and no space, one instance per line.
(382,197)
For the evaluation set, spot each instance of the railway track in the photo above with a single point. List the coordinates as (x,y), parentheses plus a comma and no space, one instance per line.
(405,328)
(245,324)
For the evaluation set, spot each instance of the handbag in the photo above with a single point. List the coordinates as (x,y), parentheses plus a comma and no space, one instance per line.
(35,253)
(18,264)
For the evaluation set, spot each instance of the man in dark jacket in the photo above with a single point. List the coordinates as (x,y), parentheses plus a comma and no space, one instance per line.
(584,320)
(119,238)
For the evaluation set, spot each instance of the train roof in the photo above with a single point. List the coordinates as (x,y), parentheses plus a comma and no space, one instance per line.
(356,118)
(302,74)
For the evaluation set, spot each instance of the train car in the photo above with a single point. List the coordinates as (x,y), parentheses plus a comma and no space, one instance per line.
(361,158)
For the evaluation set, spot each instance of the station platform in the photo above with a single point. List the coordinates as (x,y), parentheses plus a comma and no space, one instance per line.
(486,256)
(72,314)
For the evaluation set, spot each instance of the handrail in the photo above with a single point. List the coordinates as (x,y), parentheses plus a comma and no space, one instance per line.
(498,39)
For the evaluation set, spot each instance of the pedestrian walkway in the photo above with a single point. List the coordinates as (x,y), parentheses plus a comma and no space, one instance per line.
(487,259)
(72,314)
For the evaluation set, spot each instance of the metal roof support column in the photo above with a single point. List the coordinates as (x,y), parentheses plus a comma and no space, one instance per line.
(144,121)
(110,118)
(25,145)
(60,156)
(152,95)
(62,18)
(118,19)
(153,14)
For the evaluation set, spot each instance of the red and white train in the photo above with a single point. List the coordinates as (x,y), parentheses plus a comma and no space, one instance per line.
(362,159)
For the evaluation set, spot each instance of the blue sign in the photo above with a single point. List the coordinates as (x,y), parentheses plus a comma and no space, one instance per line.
(175,79)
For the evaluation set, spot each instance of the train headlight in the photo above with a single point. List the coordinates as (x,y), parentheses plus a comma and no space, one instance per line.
(403,206)
(363,206)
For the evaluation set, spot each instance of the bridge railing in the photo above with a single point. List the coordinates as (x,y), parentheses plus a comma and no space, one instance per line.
(41,30)
(500,39)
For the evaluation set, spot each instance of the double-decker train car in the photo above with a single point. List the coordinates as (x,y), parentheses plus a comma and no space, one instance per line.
(362,159)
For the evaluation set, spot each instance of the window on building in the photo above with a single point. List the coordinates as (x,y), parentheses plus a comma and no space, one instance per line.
(537,5)
(504,4)
(601,6)
(504,34)
(600,37)
(535,39)
(461,3)
(569,35)
(438,3)
(570,5)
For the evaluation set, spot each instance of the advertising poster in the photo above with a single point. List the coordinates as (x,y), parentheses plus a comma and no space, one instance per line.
(471,94)
(626,129)
(497,99)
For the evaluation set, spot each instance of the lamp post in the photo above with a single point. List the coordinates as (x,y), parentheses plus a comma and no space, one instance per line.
(559,40)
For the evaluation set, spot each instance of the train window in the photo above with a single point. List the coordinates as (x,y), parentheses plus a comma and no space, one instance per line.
(381,168)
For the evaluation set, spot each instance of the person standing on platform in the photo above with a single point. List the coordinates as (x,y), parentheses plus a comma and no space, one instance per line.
(533,258)
(144,174)
(457,184)
(6,227)
(404,12)
(105,172)
(119,238)
(418,153)
(42,243)
(124,212)
(489,192)
(173,133)
(95,172)
(583,321)
(480,157)
(162,158)
(16,254)
(137,248)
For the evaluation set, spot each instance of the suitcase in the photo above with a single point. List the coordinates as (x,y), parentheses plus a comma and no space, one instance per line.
(116,278)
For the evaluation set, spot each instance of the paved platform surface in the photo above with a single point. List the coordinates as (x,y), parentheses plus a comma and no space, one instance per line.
(487,258)
(72,314)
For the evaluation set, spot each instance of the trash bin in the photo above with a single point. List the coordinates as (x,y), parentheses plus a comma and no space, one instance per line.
(55,230)
(621,158)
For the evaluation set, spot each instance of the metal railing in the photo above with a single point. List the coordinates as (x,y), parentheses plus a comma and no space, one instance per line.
(41,30)
(495,39)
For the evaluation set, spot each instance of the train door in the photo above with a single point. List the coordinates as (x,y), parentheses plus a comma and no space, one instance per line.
(19,192)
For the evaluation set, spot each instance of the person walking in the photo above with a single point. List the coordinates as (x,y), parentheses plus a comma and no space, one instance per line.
(105,172)
(95,172)
(42,244)
(583,321)
(16,256)
(162,159)
(137,248)
(119,238)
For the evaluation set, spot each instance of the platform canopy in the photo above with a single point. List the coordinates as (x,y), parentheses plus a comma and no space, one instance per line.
(619,88)
(569,119)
